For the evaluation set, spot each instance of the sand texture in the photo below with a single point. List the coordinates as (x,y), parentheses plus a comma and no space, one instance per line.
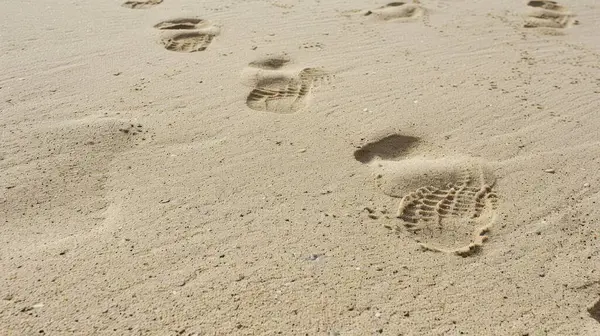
(300,167)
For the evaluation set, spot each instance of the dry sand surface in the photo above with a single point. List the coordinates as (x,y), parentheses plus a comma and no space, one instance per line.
(299,167)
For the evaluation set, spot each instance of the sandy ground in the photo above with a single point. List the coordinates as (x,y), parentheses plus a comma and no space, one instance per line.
(306,167)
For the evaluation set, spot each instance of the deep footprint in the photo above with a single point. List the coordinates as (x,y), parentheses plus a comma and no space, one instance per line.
(447,205)
(451,219)
(141,4)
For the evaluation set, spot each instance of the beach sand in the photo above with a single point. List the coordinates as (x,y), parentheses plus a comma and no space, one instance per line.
(280,167)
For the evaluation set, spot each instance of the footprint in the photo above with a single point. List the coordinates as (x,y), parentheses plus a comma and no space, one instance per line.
(447,205)
(549,14)
(188,42)
(280,91)
(135,4)
(397,10)
(387,148)
(187,35)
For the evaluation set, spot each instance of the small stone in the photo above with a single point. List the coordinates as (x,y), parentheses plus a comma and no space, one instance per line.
(587,185)
(365,110)
(314,256)
(303,150)
(38,305)
(550,171)
(373,216)
(164,201)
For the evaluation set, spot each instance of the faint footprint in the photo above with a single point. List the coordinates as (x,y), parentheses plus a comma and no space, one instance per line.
(549,14)
(187,34)
(397,10)
(140,4)
(280,91)
(447,205)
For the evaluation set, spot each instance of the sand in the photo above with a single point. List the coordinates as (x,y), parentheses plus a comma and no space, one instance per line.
(311,167)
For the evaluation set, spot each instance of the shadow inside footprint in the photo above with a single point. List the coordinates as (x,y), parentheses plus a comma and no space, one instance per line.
(180,24)
(550,5)
(270,63)
(595,311)
(141,4)
(388,148)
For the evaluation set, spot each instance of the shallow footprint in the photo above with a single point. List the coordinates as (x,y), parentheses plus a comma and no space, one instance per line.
(281,91)
(134,4)
(397,10)
(188,41)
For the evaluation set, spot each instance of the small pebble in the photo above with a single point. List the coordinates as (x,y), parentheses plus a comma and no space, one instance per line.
(587,185)
(303,150)
(550,171)
(314,256)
